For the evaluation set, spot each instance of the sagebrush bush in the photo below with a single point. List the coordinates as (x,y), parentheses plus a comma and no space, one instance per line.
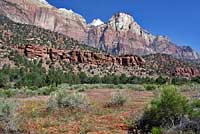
(9,120)
(165,111)
(117,99)
(138,87)
(150,87)
(47,90)
(7,92)
(194,110)
(156,130)
(64,99)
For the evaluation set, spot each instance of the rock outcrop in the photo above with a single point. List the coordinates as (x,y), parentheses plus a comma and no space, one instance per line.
(120,35)
(187,72)
(171,66)
(79,56)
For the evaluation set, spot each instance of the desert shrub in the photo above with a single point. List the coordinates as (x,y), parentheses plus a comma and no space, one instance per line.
(8,118)
(8,92)
(95,79)
(184,88)
(28,92)
(64,99)
(47,90)
(179,81)
(156,130)
(150,87)
(138,87)
(164,111)
(196,79)
(190,123)
(161,80)
(123,79)
(3,80)
(117,99)
(195,109)
(83,77)
(192,87)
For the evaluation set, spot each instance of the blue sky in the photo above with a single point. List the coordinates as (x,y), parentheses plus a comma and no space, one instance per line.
(177,19)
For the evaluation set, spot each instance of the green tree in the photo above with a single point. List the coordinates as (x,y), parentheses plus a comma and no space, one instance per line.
(55,77)
(4,79)
(95,79)
(83,77)
(161,80)
(115,79)
(123,79)
(179,81)
(196,79)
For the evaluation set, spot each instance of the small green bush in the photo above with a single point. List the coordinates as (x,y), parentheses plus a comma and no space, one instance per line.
(165,111)
(64,99)
(161,80)
(138,87)
(117,99)
(8,92)
(179,81)
(156,130)
(150,87)
(194,111)
(8,118)
(47,90)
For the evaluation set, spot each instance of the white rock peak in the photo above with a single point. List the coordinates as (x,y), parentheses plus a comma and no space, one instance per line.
(122,22)
(43,1)
(70,13)
(96,22)
(65,10)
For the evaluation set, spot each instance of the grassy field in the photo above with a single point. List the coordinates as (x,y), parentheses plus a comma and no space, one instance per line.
(97,118)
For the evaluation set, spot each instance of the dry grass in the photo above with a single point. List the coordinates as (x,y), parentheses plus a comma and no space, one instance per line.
(97,120)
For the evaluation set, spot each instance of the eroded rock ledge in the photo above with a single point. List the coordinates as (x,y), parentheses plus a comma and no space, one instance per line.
(79,56)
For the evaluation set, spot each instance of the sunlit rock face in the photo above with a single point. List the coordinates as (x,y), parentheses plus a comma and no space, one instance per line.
(120,35)
(42,14)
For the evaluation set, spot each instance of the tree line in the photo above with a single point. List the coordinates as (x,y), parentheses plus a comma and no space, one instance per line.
(36,76)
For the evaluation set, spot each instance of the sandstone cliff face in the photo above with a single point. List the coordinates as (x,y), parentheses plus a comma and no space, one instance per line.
(78,56)
(163,45)
(187,72)
(36,12)
(120,35)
